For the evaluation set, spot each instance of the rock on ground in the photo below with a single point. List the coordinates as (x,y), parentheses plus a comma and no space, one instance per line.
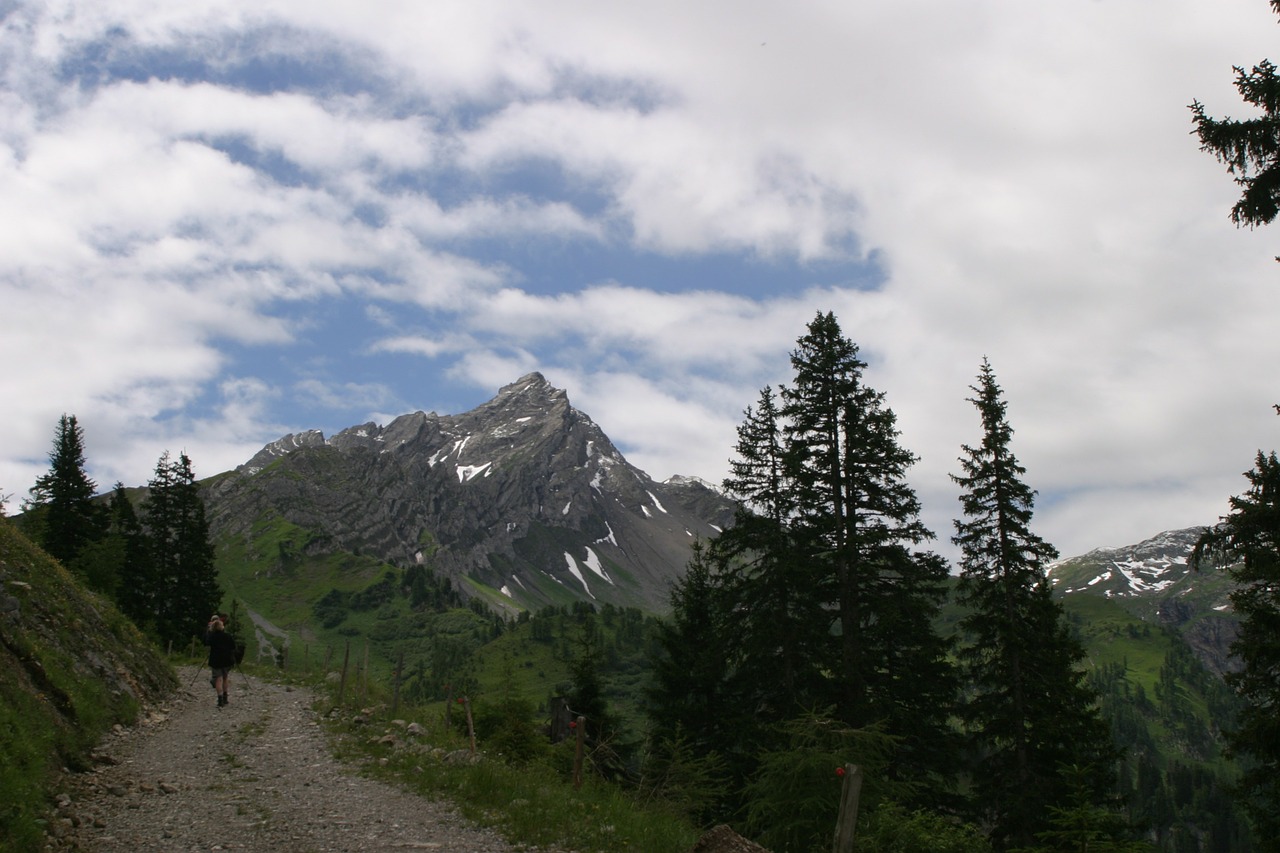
(256,775)
(722,839)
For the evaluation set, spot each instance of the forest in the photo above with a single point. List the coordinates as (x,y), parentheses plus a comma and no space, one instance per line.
(818,630)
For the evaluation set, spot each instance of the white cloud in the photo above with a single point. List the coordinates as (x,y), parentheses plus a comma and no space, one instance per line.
(346,395)
(1023,173)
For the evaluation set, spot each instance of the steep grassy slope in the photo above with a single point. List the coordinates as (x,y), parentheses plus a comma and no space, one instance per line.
(70,667)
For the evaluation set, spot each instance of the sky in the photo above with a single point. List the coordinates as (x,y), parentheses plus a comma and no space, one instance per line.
(223,222)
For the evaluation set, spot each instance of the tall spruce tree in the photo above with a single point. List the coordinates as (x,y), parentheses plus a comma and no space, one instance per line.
(1029,712)
(816,597)
(690,691)
(136,578)
(857,521)
(770,589)
(69,519)
(184,585)
(1248,542)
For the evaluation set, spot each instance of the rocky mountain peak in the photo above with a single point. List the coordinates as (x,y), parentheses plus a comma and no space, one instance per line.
(281,446)
(1149,566)
(523,501)
(531,384)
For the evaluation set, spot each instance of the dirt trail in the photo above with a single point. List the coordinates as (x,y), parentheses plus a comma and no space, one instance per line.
(255,775)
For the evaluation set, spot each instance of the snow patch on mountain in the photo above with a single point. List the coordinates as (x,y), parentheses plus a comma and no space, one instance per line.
(470,472)
(610,538)
(577,573)
(1148,567)
(593,563)
(688,480)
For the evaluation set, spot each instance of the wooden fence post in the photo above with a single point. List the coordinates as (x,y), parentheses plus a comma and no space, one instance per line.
(581,725)
(395,694)
(848,818)
(342,685)
(471,726)
(364,676)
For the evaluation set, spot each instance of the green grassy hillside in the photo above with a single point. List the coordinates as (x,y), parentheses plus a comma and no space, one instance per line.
(71,666)
(1167,715)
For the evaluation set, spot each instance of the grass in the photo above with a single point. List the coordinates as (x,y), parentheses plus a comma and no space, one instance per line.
(532,802)
(70,668)
(271,569)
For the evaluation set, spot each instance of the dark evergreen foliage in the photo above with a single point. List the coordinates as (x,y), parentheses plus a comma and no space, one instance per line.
(1029,711)
(120,551)
(69,519)
(690,692)
(770,587)
(857,522)
(1248,540)
(1081,823)
(816,596)
(1250,148)
(181,572)
(586,694)
(137,578)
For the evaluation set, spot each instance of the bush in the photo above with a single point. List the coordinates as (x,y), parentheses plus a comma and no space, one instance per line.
(892,829)
(795,795)
(507,730)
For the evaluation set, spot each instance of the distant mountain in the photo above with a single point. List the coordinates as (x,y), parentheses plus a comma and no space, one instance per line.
(521,502)
(1154,581)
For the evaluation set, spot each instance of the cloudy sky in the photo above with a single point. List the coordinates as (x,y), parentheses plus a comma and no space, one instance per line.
(221,222)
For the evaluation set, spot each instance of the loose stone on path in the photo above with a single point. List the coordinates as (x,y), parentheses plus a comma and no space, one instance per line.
(255,775)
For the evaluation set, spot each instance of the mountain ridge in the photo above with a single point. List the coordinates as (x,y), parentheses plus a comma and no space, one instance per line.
(522,501)
(1154,581)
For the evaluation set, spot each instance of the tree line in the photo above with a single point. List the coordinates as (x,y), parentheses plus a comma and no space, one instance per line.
(156,560)
(817,610)
(821,604)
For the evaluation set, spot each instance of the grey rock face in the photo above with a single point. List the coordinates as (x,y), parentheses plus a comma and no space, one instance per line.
(524,496)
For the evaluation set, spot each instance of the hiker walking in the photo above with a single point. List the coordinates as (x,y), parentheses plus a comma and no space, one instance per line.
(222,655)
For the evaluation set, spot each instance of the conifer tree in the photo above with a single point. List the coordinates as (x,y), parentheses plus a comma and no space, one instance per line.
(136,577)
(858,522)
(1250,147)
(1029,711)
(772,598)
(1248,540)
(184,581)
(69,520)
(689,693)
(817,598)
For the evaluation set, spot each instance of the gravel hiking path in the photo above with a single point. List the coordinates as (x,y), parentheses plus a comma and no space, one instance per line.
(256,775)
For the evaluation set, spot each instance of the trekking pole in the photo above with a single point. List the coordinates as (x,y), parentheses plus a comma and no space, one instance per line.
(243,678)
(193,678)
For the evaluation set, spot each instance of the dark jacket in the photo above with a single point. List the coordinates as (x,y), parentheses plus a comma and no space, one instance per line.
(222,649)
